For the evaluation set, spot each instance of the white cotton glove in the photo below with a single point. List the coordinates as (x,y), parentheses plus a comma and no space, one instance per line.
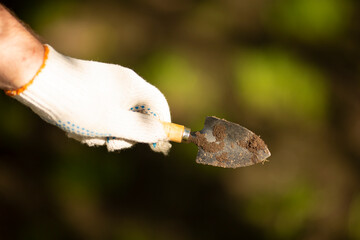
(98,103)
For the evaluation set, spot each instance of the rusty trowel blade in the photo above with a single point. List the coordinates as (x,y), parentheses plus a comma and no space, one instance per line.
(225,144)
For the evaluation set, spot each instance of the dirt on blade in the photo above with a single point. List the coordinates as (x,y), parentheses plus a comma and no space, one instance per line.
(223,157)
(211,147)
(253,143)
(219,132)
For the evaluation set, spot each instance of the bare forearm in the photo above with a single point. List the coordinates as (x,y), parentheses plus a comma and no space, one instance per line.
(21,54)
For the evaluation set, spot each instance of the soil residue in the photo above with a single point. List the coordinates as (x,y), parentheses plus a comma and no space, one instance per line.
(202,142)
(219,132)
(223,157)
(253,144)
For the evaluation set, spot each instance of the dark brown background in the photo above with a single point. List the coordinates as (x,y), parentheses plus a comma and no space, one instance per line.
(287,69)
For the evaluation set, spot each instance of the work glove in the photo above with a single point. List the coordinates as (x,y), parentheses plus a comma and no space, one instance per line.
(97,103)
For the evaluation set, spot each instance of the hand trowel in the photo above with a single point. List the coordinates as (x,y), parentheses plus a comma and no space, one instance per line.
(221,143)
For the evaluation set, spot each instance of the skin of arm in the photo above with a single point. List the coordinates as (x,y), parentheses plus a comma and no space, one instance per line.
(21,53)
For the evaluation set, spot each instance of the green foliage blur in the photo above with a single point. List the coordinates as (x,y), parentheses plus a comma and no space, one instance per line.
(289,70)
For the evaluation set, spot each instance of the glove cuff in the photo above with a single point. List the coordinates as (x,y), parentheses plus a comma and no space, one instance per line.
(15,92)
(47,94)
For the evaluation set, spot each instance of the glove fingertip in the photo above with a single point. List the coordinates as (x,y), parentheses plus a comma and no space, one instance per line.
(92,142)
(118,144)
(162,146)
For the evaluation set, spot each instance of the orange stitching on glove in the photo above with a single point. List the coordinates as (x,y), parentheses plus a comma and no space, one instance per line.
(23,88)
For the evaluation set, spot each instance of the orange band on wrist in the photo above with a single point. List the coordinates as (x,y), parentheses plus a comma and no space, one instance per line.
(23,88)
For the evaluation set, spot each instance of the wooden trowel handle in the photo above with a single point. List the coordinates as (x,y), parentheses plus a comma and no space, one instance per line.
(176,132)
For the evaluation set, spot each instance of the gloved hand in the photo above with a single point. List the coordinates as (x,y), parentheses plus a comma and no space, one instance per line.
(98,103)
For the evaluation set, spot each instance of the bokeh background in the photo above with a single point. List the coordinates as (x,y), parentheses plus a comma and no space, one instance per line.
(287,69)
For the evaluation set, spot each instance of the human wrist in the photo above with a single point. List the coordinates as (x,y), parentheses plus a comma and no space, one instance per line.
(21,53)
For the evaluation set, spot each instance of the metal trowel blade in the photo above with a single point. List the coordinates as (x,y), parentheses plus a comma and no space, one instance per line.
(225,144)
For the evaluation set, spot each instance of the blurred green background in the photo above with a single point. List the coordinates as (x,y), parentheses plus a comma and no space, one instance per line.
(287,69)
